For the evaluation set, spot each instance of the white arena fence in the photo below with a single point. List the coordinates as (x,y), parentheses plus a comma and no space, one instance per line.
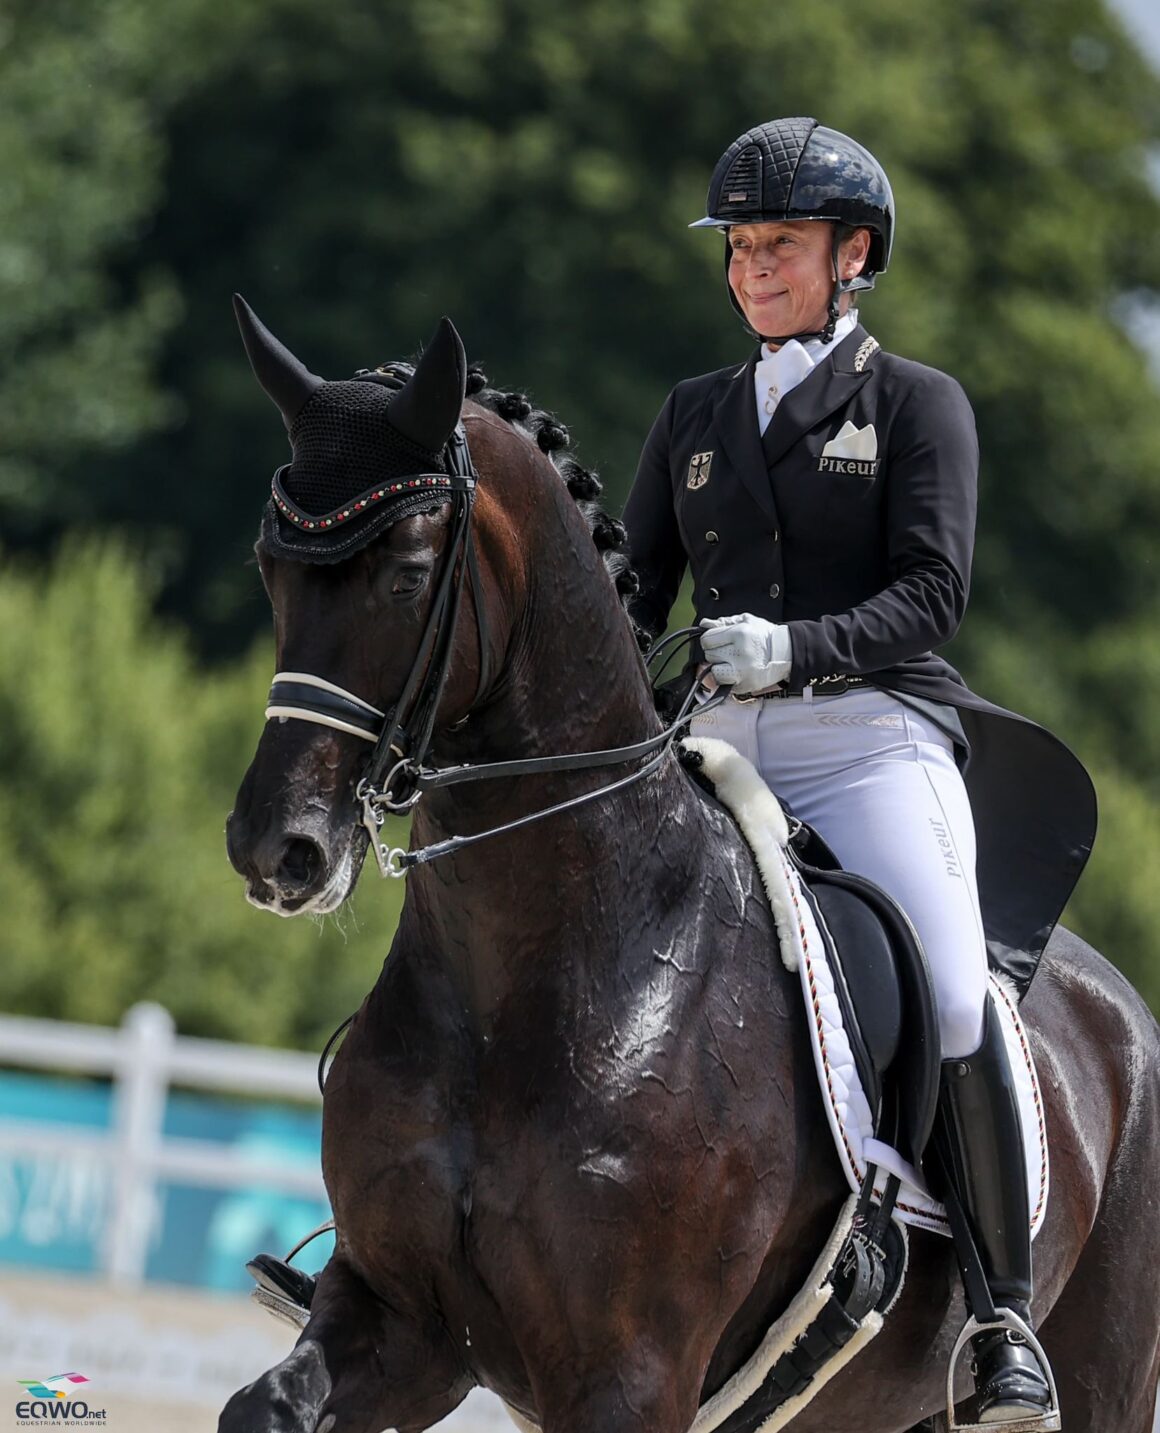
(144,1057)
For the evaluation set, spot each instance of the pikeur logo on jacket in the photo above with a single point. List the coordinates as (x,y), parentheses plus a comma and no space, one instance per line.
(854,450)
(852,519)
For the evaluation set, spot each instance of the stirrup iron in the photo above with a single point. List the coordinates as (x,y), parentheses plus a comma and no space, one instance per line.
(1046,1422)
(273,1300)
(283,1309)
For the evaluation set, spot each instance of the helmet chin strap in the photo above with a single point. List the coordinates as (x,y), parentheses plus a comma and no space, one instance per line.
(826,332)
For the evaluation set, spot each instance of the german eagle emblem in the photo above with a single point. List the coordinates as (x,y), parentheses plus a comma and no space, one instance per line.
(699,470)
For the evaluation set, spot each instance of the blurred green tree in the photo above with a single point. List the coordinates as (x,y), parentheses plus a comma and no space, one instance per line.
(530,168)
(118,764)
(81,178)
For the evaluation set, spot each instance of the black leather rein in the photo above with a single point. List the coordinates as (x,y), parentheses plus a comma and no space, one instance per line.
(396,776)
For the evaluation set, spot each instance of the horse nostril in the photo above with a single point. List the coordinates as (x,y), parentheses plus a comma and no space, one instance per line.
(301,861)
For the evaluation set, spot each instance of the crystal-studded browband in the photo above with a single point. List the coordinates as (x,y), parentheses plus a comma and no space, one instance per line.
(415,482)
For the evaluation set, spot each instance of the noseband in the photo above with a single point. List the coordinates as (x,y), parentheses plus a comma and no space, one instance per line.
(396,776)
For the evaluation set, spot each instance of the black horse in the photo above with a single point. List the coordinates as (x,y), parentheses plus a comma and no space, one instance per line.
(573,1140)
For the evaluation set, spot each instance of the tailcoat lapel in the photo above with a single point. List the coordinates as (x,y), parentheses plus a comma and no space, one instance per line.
(829,387)
(735,430)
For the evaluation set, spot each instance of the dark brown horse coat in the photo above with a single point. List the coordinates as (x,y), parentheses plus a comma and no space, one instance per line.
(574,1142)
(868,563)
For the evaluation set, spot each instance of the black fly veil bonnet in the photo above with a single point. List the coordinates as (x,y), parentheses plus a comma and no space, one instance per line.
(366,452)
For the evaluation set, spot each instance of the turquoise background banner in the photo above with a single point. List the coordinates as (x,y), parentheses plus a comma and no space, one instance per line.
(54,1208)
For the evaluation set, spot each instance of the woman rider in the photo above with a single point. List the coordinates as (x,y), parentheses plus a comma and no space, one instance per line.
(824,495)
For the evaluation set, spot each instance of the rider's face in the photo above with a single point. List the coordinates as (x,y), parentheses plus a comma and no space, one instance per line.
(782,273)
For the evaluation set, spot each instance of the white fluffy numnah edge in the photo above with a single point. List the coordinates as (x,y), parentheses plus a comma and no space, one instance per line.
(758,812)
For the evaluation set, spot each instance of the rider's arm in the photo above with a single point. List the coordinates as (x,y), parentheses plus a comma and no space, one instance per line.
(932,480)
(654,539)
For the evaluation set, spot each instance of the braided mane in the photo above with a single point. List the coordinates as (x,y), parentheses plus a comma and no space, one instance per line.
(608,533)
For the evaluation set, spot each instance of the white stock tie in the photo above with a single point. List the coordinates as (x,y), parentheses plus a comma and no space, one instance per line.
(775,375)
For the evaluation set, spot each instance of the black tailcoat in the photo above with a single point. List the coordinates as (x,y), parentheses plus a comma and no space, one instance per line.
(868,563)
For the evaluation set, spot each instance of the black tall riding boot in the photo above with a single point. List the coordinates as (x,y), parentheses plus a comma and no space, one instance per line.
(980,1140)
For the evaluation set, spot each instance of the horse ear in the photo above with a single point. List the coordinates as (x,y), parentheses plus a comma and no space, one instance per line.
(428,408)
(286,381)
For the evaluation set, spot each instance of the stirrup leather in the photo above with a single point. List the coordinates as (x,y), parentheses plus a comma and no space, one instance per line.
(1046,1422)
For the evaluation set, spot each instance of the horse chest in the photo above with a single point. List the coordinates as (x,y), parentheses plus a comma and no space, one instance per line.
(486,1189)
(597,1169)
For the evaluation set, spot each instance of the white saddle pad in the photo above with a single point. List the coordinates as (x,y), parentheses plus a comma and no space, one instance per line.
(759,815)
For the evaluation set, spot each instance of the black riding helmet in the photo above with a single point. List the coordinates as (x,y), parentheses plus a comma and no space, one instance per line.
(798,169)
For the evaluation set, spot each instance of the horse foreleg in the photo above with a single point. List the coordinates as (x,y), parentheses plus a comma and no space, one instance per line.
(358,1367)
(1103,1333)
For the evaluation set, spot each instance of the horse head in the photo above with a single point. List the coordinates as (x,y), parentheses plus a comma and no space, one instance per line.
(350,553)
(401,598)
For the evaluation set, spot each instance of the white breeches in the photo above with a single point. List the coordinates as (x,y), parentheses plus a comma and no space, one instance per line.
(879,783)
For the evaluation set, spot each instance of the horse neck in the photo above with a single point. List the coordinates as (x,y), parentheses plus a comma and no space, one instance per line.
(572,678)
(572,681)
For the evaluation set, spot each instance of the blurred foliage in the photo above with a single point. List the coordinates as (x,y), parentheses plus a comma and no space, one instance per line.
(118,764)
(529,167)
(82,174)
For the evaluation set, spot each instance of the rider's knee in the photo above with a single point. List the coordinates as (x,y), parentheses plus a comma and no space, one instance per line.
(960,1021)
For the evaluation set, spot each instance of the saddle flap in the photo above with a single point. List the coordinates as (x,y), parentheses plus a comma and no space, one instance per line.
(886,981)
(866,986)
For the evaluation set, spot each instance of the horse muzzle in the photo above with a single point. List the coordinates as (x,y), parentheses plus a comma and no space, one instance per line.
(290,873)
(291,835)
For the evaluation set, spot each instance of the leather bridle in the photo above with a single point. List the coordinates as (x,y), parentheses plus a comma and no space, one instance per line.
(396,775)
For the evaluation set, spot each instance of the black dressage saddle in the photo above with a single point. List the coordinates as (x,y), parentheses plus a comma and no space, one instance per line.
(884,989)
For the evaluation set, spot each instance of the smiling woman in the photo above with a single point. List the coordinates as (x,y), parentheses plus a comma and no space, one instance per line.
(782,275)
(824,494)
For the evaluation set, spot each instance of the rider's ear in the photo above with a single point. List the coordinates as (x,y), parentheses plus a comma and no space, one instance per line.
(286,381)
(427,409)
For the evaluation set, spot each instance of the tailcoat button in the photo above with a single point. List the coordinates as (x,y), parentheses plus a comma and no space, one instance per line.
(775,590)
(714,594)
(711,536)
(776,534)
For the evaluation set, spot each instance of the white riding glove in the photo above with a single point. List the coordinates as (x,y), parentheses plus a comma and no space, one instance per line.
(746,653)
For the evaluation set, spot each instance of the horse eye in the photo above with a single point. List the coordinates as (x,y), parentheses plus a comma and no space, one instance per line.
(409,580)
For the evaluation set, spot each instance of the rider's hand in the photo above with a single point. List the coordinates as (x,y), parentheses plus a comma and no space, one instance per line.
(745,652)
